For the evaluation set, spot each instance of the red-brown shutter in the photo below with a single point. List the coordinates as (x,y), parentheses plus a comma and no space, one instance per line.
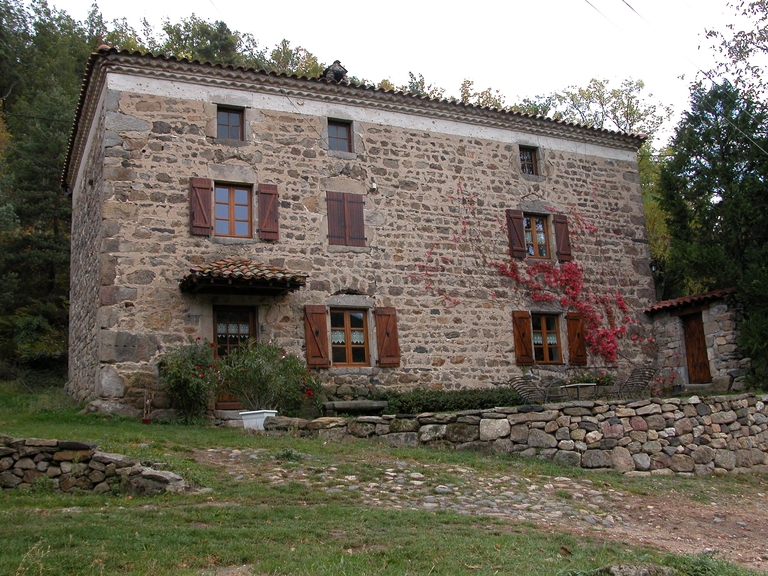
(386,336)
(269,227)
(316,333)
(516,233)
(521,323)
(200,195)
(336,218)
(563,239)
(577,345)
(355,217)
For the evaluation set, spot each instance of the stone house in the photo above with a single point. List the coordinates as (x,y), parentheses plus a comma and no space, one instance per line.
(697,341)
(393,240)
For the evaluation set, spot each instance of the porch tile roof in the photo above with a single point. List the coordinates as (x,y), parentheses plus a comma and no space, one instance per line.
(690,301)
(241,274)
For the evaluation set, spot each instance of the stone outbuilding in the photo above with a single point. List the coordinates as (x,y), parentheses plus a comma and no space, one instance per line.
(697,338)
(391,239)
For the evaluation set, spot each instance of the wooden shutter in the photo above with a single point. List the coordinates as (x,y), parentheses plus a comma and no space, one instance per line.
(336,225)
(269,227)
(516,233)
(386,336)
(521,324)
(577,345)
(316,333)
(200,195)
(563,239)
(355,219)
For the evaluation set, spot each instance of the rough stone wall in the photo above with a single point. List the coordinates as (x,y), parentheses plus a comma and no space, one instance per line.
(434,219)
(66,466)
(722,321)
(84,274)
(693,436)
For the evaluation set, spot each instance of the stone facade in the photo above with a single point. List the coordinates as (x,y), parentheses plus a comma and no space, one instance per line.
(721,318)
(436,179)
(692,436)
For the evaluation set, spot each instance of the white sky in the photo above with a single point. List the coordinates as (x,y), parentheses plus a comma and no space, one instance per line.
(520,47)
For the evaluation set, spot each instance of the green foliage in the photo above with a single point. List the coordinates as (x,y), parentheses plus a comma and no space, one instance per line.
(421,400)
(713,190)
(599,377)
(192,379)
(263,377)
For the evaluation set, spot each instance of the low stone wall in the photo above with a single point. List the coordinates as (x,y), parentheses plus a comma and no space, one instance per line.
(26,463)
(718,435)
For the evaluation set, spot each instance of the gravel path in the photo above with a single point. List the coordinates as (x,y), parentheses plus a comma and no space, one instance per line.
(729,524)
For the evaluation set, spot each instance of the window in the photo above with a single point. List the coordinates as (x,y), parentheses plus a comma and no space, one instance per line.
(340,135)
(346,225)
(232,211)
(529,235)
(536,236)
(229,124)
(348,344)
(528,163)
(234,326)
(349,340)
(546,338)
(537,339)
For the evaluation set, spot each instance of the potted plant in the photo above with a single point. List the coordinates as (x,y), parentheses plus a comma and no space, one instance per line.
(266,380)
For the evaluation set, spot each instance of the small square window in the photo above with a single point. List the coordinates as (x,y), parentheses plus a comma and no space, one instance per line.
(546,338)
(229,124)
(340,135)
(528,163)
(232,211)
(536,232)
(349,337)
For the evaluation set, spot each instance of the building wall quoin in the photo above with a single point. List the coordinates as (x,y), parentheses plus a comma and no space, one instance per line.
(434,220)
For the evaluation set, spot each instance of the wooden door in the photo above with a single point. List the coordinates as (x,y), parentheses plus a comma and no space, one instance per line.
(696,349)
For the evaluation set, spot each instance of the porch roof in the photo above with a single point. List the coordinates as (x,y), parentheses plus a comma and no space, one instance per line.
(690,301)
(235,275)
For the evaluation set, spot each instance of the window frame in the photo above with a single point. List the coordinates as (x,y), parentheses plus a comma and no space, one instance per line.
(531,163)
(334,126)
(252,325)
(230,111)
(231,203)
(348,344)
(534,245)
(544,347)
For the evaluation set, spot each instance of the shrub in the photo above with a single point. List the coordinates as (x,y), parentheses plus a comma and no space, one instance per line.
(420,400)
(191,378)
(262,376)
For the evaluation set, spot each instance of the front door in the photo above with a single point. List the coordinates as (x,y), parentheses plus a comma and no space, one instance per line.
(233,326)
(696,349)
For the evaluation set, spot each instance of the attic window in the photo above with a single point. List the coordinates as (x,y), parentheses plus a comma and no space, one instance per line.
(229,123)
(340,135)
(528,163)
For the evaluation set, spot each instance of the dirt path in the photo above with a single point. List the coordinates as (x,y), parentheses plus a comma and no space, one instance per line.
(730,524)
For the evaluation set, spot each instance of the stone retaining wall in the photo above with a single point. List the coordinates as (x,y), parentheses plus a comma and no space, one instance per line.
(77,467)
(718,435)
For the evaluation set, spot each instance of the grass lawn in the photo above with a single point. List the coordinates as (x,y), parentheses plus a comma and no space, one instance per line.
(281,528)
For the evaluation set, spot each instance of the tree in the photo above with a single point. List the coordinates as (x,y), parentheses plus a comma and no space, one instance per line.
(488,97)
(745,50)
(713,190)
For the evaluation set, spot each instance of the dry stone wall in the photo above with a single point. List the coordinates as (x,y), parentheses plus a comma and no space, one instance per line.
(693,436)
(67,466)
